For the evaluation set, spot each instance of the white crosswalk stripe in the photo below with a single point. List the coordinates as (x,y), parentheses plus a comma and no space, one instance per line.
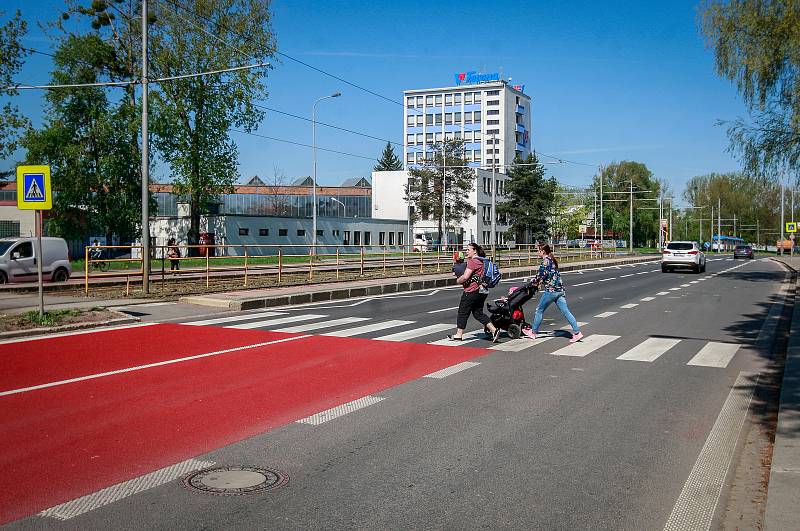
(234,318)
(650,349)
(647,299)
(366,329)
(308,327)
(517,345)
(629,306)
(715,354)
(469,337)
(605,314)
(271,322)
(586,346)
(417,332)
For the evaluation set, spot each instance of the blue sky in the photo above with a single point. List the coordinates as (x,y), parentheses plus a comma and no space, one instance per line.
(609,81)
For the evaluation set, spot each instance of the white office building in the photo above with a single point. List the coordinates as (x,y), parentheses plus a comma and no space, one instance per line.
(492,117)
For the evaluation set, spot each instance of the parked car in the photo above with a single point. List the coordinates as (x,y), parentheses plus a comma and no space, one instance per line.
(18,260)
(743,251)
(683,255)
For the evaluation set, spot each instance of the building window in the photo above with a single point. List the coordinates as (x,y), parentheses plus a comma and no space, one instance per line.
(419,138)
(448,99)
(410,139)
(477,135)
(301,232)
(419,101)
(492,122)
(468,98)
(458,135)
(438,100)
(283,232)
(428,119)
(346,240)
(429,138)
(458,98)
(263,232)
(391,238)
(243,231)
(410,102)
(410,120)
(492,92)
(410,158)
(399,238)
(356,237)
(493,131)
(367,238)
(438,137)
(419,120)
(9,229)
(448,118)
(476,155)
(336,232)
(320,232)
(477,97)
(467,136)
(448,136)
(381,238)
(467,117)
(492,112)
(437,119)
(493,103)
(429,101)
(457,118)
(477,116)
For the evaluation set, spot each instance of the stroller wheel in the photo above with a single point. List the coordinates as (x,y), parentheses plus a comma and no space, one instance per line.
(514,331)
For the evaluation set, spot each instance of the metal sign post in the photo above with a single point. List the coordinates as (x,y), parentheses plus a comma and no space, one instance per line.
(34,193)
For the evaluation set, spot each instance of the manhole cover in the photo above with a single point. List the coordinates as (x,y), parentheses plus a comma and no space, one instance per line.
(234,480)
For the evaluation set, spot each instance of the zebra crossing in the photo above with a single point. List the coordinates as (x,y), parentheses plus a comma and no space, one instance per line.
(711,354)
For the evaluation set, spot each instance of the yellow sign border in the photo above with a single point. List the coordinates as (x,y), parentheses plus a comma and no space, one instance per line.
(47,204)
(791,226)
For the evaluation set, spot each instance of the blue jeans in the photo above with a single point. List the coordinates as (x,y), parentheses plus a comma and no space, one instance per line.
(546,299)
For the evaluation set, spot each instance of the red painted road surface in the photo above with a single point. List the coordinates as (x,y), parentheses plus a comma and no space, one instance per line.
(62,442)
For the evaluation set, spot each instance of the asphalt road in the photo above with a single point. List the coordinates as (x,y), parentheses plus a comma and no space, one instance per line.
(609,433)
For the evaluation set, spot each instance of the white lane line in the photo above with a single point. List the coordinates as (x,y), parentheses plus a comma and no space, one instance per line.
(700,495)
(694,282)
(629,306)
(417,332)
(654,271)
(232,318)
(452,370)
(339,411)
(715,354)
(606,279)
(624,276)
(642,273)
(76,333)
(279,321)
(648,299)
(308,327)
(674,289)
(582,284)
(605,314)
(469,337)
(148,366)
(663,293)
(650,349)
(366,329)
(586,346)
(114,493)
(684,285)
(444,310)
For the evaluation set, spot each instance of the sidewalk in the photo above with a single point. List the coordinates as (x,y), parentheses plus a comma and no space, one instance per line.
(783,509)
(265,298)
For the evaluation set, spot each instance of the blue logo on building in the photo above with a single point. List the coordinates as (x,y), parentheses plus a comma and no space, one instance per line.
(473,78)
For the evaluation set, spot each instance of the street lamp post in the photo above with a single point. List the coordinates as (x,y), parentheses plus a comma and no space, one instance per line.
(314,177)
(494,201)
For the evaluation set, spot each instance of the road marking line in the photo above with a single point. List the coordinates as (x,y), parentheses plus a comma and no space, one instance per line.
(469,337)
(418,332)
(663,293)
(114,493)
(684,285)
(642,272)
(715,354)
(452,370)
(339,411)
(147,366)
(231,318)
(582,284)
(605,314)
(281,320)
(630,275)
(605,279)
(444,310)
(654,271)
(76,333)
(700,495)
(694,282)
(648,299)
(629,306)
(308,327)
(358,330)
(650,349)
(586,346)
(674,289)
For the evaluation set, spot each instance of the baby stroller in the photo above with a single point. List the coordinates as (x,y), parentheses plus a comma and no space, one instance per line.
(507,314)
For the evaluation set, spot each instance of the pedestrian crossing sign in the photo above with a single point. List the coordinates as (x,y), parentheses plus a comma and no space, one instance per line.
(791,226)
(33,188)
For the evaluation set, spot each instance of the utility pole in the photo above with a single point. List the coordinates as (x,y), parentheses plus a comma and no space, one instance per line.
(494,199)
(630,228)
(601,211)
(444,192)
(145,163)
(783,221)
(719,225)
(660,224)
(670,219)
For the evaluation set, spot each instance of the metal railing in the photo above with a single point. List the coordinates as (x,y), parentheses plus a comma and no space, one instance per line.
(293,264)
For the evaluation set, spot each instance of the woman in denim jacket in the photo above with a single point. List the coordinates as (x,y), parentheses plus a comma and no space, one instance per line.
(551,291)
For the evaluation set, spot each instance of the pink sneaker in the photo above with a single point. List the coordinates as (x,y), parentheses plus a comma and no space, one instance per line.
(576,337)
(529,333)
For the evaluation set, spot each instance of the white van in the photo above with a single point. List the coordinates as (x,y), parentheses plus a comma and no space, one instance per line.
(18,260)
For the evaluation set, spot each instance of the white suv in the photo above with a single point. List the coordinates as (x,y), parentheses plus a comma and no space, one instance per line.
(683,254)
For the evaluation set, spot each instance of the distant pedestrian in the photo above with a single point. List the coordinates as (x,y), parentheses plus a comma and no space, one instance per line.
(459,264)
(474,295)
(551,291)
(174,255)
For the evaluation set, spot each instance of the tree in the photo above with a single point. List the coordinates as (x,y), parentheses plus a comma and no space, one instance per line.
(424,189)
(530,201)
(388,160)
(95,172)
(193,117)
(757,46)
(12,55)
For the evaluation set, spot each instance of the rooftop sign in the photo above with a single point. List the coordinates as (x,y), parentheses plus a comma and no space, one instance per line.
(473,78)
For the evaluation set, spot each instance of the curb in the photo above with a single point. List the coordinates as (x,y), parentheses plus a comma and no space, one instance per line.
(782,510)
(338,292)
(29,332)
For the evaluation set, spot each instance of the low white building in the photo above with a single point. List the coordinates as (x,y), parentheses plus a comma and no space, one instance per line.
(388,202)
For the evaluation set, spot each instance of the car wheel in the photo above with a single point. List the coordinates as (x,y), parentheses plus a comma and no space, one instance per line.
(514,331)
(3,278)
(703,268)
(664,269)
(61,275)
